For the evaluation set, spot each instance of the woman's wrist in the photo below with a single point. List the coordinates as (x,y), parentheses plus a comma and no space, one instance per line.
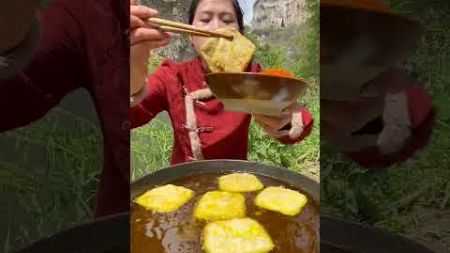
(138,96)
(397,124)
(139,60)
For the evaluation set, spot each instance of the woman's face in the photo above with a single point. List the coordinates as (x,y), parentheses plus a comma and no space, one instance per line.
(211,15)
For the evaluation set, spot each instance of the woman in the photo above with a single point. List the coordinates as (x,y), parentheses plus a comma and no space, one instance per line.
(202,128)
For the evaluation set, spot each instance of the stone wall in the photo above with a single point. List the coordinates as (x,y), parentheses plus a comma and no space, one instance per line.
(180,49)
(278,14)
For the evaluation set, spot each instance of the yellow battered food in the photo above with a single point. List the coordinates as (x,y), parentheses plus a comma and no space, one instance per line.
(165,199)
(236,236)
(218,205)
(282,200)
(240,182)
(223,55)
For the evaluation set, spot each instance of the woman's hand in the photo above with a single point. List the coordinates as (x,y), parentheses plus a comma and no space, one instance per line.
(339,119)
(273,125)
(379,118)
(16,20)
(143,38)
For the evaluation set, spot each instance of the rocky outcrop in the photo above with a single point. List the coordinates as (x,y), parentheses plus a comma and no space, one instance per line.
(180,49)
(278,14)
(282,16)
(279,22)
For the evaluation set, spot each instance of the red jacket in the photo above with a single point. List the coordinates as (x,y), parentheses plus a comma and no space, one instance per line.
(215,133)
(84,44)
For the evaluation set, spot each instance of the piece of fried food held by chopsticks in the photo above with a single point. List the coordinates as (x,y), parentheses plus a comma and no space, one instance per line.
(223,55)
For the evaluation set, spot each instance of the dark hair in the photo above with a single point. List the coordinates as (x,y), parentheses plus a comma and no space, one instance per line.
(236,6)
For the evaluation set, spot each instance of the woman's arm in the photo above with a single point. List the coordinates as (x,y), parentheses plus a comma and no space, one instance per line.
(291,128)
(147,93)
(143,39)
(153,98)
(300,127)
(53,71)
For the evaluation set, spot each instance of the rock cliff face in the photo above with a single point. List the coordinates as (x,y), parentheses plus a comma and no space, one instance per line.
(282,16)
(180,49)
(278,14)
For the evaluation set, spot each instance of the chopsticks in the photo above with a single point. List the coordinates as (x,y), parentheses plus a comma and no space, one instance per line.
(171,26)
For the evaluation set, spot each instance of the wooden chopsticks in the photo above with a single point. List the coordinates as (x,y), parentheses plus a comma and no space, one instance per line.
(182,31)
(171,26)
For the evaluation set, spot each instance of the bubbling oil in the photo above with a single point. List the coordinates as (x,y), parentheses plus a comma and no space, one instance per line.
(180,232)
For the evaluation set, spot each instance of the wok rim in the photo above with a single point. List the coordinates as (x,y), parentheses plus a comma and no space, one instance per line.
(84,237)
(372,237)
(311,186)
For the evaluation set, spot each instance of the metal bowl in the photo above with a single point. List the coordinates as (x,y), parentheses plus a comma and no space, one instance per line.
(340,236)
(356,45)
(255,93)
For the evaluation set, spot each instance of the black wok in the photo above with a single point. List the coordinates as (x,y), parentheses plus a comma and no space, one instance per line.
(340,236)
(205,174)
(298,181)
(105,235)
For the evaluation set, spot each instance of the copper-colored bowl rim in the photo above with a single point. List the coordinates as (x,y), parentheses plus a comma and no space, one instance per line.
(257,74)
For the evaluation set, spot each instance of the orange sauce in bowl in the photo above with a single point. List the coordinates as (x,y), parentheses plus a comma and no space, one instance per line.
(278,72)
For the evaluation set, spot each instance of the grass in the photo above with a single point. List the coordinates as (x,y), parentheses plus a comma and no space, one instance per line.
(146,156)
(151,144)
(413,198)
(49,174)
